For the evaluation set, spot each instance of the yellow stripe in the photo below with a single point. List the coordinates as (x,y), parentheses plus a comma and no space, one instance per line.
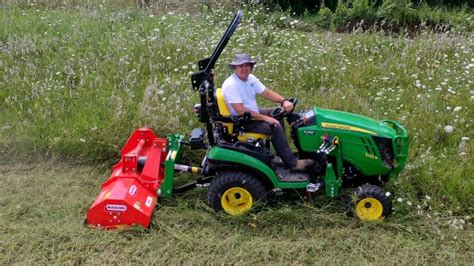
(346,127)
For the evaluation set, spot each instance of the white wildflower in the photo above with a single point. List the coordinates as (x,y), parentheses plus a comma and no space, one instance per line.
(457,109)
(448,129)
(418,83)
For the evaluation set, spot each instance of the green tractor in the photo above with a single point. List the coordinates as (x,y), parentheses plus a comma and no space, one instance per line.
(348,150)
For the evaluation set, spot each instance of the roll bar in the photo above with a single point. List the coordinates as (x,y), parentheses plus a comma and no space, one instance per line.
(203,80)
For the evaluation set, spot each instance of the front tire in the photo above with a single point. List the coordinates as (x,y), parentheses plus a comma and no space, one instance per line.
(370,203)
(235,192)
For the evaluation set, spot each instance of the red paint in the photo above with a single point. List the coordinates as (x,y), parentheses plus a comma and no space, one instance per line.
(129,196)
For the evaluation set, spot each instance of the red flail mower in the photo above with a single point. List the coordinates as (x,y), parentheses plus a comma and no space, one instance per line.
(129,196)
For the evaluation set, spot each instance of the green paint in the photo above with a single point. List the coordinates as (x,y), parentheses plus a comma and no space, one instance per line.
(174,147)
(235,157)
(357,145)
(331,182)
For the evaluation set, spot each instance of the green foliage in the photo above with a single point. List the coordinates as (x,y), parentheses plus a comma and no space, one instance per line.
(324,18)
(362,9)
(399,11)
(445,3)
(296,6)
(392,16)
(343,14)
(300,5)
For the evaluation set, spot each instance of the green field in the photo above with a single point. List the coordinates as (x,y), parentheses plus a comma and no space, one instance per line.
(76,81)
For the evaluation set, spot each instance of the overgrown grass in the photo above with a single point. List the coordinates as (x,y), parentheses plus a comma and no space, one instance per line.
(75,82)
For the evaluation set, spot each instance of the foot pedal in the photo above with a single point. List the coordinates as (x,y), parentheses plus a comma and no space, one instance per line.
(313,187)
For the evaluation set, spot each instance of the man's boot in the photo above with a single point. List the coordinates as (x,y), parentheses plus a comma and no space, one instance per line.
(301,165)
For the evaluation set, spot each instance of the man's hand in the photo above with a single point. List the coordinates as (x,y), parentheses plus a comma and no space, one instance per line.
(288,106)
(270,120)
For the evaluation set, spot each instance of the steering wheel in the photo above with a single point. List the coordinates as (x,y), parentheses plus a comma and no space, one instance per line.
(280,112)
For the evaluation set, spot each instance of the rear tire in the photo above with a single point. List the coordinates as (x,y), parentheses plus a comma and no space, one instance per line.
(370,203)
(235,192)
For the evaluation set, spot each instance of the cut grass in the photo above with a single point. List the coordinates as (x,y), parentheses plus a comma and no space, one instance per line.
(44,204)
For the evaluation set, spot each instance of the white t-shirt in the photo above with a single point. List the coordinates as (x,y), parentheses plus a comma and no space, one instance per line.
(237,91)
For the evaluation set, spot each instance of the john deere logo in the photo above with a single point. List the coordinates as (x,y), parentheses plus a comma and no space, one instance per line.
(308,132)
(346,127)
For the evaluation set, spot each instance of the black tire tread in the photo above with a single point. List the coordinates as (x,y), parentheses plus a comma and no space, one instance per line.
(373,191)
(226,179)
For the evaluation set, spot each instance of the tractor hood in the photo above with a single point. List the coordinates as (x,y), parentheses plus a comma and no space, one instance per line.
(332,119)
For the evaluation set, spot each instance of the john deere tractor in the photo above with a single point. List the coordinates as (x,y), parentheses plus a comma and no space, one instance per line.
(349,151)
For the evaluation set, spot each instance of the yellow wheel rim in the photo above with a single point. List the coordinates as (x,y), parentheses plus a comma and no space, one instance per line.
(236,201)
(369,209)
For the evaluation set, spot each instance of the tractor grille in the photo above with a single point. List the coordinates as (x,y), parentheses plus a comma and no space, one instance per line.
(369,148)
(385,149)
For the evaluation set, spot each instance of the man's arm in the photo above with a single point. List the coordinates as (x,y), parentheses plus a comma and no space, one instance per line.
(270,95)
(277,98)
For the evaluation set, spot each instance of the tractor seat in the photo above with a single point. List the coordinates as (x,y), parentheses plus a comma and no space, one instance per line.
(225,112)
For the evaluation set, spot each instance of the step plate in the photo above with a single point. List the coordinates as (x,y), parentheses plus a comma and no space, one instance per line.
(284,175)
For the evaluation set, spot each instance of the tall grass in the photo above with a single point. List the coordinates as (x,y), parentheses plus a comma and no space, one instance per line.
(75,82)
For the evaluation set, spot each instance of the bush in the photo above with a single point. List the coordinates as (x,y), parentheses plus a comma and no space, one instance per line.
(398,11)
(324,18)
(345,15)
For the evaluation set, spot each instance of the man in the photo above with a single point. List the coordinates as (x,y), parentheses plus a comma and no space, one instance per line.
(239,92)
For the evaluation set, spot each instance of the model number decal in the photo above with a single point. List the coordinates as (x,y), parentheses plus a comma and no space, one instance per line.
(371,156)
(308,132)
(115,208)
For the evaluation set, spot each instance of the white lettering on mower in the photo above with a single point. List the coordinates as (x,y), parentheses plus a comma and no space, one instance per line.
(133,190)
(149,201)
(115,208)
